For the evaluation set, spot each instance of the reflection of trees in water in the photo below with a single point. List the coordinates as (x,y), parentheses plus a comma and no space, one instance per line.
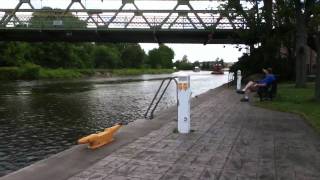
(39,124)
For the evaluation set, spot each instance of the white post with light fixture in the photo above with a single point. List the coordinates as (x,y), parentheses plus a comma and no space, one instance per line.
(239,78)
(184,96)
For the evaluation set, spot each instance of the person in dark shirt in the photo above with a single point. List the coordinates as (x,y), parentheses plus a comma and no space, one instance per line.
(253,86)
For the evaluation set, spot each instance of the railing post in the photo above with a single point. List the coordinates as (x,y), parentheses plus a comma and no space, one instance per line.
(184,95)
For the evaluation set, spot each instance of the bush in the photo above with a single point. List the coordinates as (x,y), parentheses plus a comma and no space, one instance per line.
(9,73)
(87,72)
(59,73)
(30,71)
(128,72)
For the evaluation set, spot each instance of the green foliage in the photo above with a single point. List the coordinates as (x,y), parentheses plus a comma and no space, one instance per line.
(132,56)
(13,53)
(126,72)
(184,64)
(60,73)
(106,57)
(161,57)
(296,100)
(9,73)
(254,63)
(196,63)
(59,19)
(27,71)
(71,60)
(30,71)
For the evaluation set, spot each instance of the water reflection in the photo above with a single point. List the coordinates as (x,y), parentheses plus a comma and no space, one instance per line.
(41,118)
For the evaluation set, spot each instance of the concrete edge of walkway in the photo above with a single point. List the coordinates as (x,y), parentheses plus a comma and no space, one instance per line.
(77,158)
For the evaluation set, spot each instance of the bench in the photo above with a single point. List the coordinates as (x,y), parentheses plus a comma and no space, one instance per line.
(268,92)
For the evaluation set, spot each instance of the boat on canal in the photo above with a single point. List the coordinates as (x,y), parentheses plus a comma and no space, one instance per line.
(217,69)
(196,69)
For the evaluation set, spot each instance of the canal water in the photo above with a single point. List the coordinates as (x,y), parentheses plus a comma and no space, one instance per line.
(42,118)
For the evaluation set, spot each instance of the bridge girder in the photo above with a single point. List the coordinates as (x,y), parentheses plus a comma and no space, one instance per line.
(154,20)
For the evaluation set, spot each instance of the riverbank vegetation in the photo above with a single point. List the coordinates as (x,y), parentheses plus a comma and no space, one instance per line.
(296,100)
(33,72)
(19,60)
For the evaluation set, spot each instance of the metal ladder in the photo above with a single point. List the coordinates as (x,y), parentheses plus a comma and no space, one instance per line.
(169,80)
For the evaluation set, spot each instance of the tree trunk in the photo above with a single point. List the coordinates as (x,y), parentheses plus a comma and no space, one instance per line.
(268,13)
(317,88)
(301,47)
(267,52)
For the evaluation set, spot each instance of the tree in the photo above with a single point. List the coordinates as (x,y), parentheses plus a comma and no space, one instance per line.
(167,55)
(314,26)
(184,64)
(133,56)
(161,57)
(154,58)
(301,45)
(317,85)
(221,62)
(58,54)
(49,19)
(14,53)
(106,57)
(83,53)
(185,59)
(280,24)
(196,63)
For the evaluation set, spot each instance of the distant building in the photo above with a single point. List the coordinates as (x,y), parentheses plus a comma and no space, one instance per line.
(311,61)
(311,58)
(228,64)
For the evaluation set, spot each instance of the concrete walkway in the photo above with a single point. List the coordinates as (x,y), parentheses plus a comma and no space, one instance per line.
(232,140)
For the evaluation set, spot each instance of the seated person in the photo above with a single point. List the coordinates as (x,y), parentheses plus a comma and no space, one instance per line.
(254,86)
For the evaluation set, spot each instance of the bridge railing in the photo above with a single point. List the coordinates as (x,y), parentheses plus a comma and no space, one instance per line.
(123,22)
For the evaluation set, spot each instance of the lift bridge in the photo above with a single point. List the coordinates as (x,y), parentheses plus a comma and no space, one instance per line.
(132,21)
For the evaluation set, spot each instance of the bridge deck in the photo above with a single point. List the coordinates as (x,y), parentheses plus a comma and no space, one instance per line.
(121,35)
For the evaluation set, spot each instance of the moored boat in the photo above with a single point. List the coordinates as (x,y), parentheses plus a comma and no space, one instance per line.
(217,69)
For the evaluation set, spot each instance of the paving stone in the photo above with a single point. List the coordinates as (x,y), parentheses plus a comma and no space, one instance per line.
(210,174)
(232,141)
(114,177)
(186,172)
(127,152)
(170,177)
(109,164)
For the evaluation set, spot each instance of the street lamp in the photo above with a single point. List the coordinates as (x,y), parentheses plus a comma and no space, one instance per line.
(303,2)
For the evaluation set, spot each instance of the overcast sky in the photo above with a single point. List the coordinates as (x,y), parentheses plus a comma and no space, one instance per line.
(194,51)
(199,52)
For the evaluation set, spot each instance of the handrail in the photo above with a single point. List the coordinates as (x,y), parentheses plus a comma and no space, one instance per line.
(145,115)
(157,93)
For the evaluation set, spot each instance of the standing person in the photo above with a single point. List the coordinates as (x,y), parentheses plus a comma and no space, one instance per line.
(253,86)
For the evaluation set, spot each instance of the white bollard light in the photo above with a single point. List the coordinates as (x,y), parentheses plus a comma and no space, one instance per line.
(184,95)
(239,78)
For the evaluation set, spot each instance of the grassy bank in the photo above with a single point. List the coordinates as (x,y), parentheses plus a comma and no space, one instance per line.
(296,100)
(127,72)
(33,72)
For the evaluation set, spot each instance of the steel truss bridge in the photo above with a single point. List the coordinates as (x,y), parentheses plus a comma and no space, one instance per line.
(185,22)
